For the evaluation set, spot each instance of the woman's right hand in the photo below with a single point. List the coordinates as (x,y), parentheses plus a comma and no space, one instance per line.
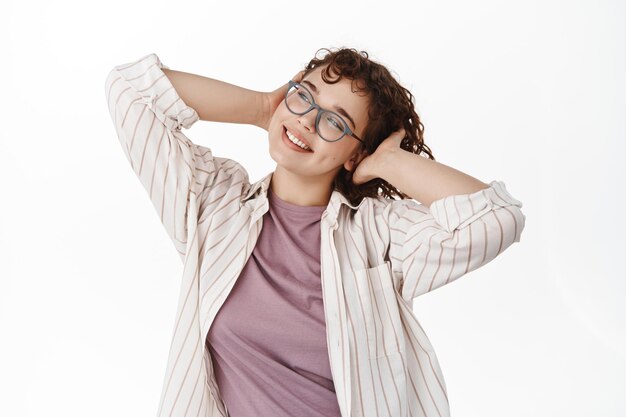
(272,100)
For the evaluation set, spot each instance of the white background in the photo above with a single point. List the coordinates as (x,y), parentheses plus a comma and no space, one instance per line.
(529,93)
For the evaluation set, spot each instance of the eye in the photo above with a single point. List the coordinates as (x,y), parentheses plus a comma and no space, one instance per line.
(304,96)
(336,123)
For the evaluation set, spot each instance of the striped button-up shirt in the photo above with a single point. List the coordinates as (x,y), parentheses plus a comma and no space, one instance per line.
(376,257)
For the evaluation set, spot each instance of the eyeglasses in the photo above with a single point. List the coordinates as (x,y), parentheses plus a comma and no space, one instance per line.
(329,125)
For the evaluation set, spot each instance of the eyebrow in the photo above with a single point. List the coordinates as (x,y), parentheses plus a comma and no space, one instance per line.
(338,108)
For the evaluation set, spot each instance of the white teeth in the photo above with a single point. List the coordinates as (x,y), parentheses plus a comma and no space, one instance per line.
(296,141)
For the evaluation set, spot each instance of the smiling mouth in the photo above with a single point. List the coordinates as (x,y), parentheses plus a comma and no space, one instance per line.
(295,144)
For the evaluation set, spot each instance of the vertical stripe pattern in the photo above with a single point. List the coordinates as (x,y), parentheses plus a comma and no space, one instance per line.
(375,258)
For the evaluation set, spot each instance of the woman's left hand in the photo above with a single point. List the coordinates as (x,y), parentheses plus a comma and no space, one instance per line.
(366,169)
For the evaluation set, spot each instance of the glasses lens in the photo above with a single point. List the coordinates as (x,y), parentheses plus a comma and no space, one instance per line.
(331,126)
(298,99)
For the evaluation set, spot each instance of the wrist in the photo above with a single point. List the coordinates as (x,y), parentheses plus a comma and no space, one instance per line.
(262,104)
(384,162)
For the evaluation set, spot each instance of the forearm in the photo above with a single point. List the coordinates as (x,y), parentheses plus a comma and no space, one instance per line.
(423,179)
(218,101)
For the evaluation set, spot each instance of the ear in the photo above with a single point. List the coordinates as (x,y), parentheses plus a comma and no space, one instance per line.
(358,155)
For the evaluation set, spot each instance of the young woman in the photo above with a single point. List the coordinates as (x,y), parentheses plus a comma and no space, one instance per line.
(297,289)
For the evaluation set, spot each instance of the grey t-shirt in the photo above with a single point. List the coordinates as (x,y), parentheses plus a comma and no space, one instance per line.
(268,340)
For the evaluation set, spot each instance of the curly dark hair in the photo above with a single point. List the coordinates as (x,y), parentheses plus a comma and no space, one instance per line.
(391,106)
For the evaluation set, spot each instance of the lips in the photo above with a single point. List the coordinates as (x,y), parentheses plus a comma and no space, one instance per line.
(298,137)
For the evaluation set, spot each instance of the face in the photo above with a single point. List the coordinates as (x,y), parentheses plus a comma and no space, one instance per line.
(325,158)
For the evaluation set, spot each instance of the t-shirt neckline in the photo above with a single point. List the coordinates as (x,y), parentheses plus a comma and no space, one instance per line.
(275,200)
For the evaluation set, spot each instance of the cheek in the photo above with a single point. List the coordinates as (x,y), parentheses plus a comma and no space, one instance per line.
(278,116)
(343,151)
(334,153)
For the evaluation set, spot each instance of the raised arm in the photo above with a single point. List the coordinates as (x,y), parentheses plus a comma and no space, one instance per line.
(150,104)
(179,176)
(218,101)
(434,246)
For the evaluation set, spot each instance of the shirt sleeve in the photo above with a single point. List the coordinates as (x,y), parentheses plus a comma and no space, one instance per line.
(432,247)
(148,115)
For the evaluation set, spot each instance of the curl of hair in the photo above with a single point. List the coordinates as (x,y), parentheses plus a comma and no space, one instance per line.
(391,106)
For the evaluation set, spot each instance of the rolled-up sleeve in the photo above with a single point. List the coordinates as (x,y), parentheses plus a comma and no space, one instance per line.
(431,247)
(148,116)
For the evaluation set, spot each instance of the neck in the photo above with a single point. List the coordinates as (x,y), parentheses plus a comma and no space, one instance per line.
(299,190)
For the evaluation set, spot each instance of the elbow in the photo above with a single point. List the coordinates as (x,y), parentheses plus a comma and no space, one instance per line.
(511,221)
(520,223)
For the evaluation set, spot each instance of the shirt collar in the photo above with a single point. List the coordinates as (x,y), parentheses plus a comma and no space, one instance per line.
(333,208)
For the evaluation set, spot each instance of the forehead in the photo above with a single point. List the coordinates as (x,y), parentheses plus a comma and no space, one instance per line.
(345,86)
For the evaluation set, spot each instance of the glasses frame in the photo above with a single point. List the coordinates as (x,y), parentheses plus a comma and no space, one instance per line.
(320,110)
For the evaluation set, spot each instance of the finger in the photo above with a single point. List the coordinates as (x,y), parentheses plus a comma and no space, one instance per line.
(283,88)
(298,76)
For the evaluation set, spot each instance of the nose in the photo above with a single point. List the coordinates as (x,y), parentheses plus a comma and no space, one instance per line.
(308,120)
